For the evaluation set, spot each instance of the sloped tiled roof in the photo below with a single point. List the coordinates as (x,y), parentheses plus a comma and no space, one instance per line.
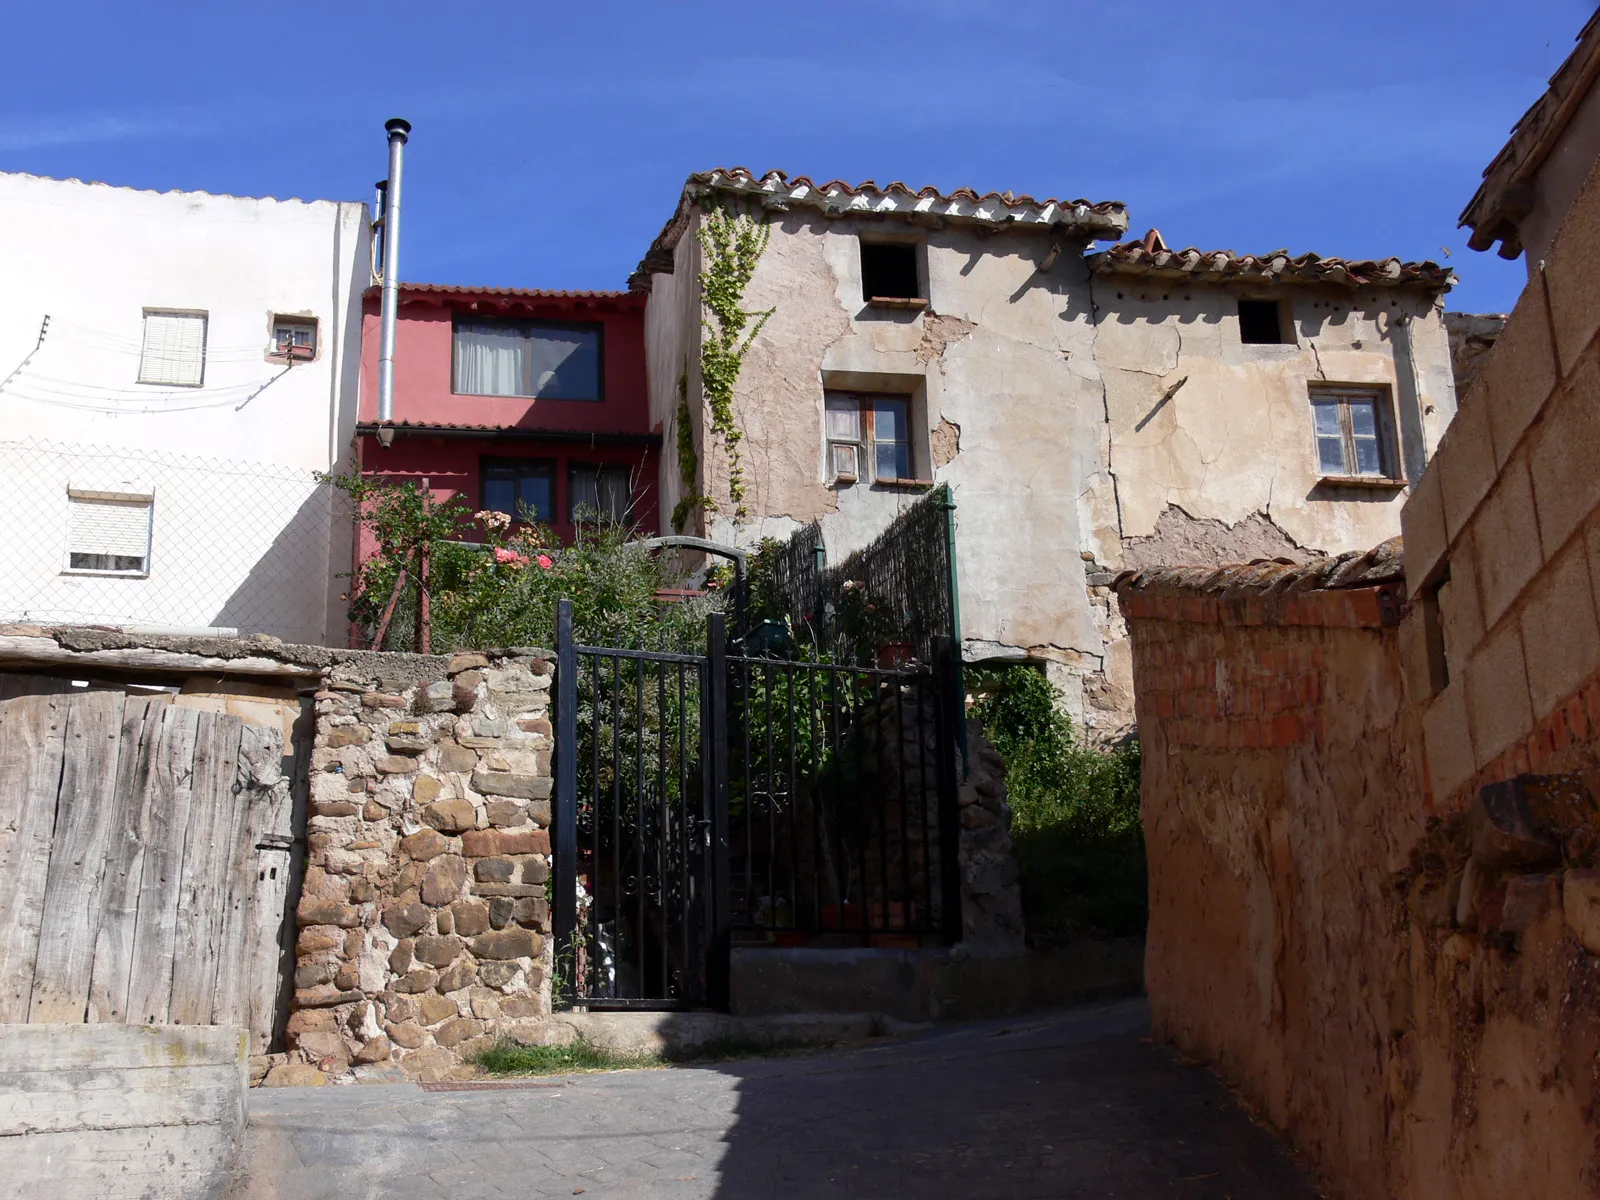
(1384,563)
(1151,257)
(777,191)
(1499,202)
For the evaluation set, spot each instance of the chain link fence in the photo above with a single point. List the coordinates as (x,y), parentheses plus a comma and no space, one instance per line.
(106,535)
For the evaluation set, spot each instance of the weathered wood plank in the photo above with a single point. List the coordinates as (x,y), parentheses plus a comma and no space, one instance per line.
(113,947)
(32,737)
(253,882)
(166,824)
(208,858)
(85,811)
(12,685)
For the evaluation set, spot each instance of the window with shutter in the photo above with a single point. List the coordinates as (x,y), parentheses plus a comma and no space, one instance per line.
(174,349)
(109,534)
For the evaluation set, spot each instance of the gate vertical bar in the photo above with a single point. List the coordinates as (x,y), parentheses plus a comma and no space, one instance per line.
(566,765)
(718,964)
(947,705)
(959,686)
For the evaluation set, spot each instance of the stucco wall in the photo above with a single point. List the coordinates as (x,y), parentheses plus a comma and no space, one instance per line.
(92,258)
(672,351)
(1035,395)
(1305,937)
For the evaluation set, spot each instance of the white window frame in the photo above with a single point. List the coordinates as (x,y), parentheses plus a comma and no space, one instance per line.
(131,495)
(294,352)
(144,346)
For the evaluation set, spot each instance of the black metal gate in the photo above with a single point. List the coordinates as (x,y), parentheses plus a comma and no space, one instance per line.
(703,800)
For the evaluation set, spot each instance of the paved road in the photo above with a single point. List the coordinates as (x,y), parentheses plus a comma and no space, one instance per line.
(1074,1104)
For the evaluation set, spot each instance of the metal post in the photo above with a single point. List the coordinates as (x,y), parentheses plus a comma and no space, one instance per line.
(959,713)
(389,304)
(566,807)
(718,962)
(946,680)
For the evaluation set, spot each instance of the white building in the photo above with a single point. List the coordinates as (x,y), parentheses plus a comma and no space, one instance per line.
(176,367)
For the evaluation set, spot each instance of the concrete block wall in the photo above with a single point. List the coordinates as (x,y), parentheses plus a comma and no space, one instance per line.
(1502,541)
(141,1112)
(423,919)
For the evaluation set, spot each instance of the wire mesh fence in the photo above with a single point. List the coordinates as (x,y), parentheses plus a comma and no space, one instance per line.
(140,537)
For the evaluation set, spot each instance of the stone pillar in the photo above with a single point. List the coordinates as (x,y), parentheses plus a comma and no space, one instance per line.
(424,921)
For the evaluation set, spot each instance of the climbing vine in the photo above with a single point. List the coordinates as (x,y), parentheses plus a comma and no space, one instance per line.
(732,244)
(688,461)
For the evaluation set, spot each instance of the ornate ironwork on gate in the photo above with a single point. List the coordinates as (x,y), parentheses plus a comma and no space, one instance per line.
(703,800)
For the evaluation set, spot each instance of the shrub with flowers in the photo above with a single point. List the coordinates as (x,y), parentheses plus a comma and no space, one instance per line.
(495,582)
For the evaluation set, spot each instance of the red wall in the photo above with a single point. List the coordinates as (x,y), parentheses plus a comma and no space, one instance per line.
(422,363)
(453,464)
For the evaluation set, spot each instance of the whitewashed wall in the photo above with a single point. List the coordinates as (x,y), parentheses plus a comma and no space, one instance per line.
(242,536)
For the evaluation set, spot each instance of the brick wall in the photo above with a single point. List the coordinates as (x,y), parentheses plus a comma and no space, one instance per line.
(1419,1015)
(423,921)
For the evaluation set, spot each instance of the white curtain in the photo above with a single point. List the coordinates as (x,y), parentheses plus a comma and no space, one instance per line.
(490,360)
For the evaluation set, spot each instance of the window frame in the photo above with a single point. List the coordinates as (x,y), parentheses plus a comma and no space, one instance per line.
(866,443)
(294,353)
(489,463)
(1340,396)
(598,328)
(144,499)
(574,466)
(204,316)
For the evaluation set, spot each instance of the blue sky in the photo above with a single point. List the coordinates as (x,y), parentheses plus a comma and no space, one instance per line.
(551,140)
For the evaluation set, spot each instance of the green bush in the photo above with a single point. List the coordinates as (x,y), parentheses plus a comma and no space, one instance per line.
(1075,814)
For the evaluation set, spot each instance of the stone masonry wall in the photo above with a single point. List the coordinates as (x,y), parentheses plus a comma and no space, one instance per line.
(423,920)
(1411,996)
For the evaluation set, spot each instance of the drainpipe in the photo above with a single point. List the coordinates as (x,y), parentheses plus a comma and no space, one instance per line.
(398,130)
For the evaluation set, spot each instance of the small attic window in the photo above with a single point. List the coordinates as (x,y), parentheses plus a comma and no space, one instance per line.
(1261,323)
(889,274)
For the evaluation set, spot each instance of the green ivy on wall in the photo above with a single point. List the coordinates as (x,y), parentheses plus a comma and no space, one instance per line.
(688,461)
(732,244)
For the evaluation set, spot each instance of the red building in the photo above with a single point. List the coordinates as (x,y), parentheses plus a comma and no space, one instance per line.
(526,402)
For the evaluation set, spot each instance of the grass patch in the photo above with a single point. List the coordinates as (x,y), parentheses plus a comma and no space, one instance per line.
(510,1058)
(1075,825)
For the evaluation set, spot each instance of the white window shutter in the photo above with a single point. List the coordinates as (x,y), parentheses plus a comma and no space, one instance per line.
(114,527)
(174,349)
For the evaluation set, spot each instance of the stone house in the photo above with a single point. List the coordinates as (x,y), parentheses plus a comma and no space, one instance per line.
(1092,410)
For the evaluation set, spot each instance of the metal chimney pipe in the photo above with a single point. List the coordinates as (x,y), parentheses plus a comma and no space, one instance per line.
(398,130)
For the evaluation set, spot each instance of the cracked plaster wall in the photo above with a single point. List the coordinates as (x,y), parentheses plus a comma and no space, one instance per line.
(1234,443)
(1049,377)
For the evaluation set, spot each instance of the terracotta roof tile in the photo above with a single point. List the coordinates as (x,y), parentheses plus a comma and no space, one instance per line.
(778,191)
(1150,257)
(1384,563)
(1501,199)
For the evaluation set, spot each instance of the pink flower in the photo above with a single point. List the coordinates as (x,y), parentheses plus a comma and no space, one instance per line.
(510,557)
(546,562)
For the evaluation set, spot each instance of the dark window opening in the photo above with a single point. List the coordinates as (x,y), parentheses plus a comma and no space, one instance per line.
(1261,323)
(539,359)
(889,271)
(524,491)
(598,491)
